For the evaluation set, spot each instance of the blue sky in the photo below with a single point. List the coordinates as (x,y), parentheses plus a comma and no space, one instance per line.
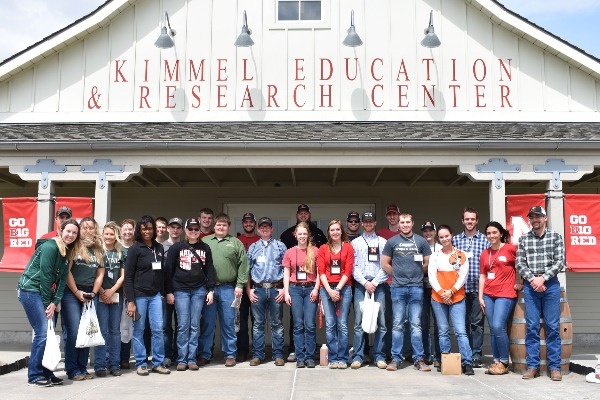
(25,22)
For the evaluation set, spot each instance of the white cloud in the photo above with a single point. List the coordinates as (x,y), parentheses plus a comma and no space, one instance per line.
(539,7)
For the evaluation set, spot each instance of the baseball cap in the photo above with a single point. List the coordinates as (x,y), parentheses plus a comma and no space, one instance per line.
(537,210)
(428,225)
(249,216)
(191,221)
(265,220)
(353,214)
(392,208)
(64,210)
(303,207)
(369,216)
(176,220)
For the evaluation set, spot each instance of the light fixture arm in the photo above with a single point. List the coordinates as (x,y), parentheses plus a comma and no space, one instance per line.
(246,24)
(167,23)
(430,28)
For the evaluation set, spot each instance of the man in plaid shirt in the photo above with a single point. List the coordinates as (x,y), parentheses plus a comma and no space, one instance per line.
(473,243)
(540,257)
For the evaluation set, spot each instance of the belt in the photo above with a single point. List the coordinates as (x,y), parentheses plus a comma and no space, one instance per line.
(302,284)
(268,285)
(225,283)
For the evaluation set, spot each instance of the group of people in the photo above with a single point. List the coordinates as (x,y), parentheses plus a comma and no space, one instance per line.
(145,271)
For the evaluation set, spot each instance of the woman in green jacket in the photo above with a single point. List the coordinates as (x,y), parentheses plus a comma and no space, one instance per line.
(40,290)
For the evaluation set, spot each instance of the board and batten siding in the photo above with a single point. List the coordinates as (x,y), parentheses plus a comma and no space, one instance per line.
(583,293)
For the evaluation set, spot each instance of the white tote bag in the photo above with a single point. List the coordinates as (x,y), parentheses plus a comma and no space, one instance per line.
(126,326)
(52,350)
(370,311)
(89,329)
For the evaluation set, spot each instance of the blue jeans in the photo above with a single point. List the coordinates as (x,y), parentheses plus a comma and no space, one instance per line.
(75,359)
(170,335)
(411,296)
(188,306)
(109,317)
(266,301)
(457,313)
(304,312)
(425,325)
(337,325)
(36,314)
(497,311)
(153,307)
(474,322)
(359,337)
(548,304)
(222,299)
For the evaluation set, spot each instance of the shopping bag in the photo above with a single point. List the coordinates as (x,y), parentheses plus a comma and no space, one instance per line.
(370,311)
(89,329)
(126,326)
(52,350)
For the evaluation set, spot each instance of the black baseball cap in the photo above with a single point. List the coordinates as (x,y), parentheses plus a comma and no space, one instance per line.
(369,216)
(428,225)
(303,207)
(265,220)
(539,210)
(64,210)
(353,214)
(250,216)
(191,221)
(392,208)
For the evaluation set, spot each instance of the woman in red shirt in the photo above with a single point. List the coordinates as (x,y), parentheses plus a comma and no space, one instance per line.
(498,291)
(334,265)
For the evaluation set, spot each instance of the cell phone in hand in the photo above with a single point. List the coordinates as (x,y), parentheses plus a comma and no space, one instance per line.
(137,316)
(88,296)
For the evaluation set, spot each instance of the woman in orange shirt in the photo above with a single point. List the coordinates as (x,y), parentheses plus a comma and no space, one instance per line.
(448,269)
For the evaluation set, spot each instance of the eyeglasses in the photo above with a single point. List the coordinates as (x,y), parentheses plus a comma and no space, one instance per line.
(193,229)
(354,221)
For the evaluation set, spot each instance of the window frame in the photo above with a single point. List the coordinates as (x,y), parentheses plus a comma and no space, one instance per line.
(274,23)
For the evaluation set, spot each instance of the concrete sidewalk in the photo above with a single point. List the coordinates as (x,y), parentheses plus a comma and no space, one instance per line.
(270,382)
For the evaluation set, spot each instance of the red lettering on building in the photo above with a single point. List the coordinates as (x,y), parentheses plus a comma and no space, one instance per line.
(324,94)
(246,77)
(507,71)
(144,93)
(402,70)
(170,96)
(171,73)
(296,96)
(195,73)
(427,94)
(428,62)
(272,91)
(373,96)
(402,95)
(373,69)
(348,68)
(323,60)
(454,95)
(247,97)
(221,69)
(504,93)
(479,95)
(221,93)
(483,73)
(196,95)
(454,70)
(299,69)
(118,72)
(146,70)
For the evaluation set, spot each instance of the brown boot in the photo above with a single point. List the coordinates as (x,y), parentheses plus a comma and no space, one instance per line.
(555,375)
(531,373)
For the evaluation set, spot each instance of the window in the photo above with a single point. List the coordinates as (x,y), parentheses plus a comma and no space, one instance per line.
(294,10)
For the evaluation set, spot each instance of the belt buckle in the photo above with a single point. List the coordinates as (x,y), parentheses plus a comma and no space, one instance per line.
(267,285)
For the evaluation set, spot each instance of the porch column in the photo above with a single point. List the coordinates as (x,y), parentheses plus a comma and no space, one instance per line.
(45,208)
(102,204)
(556,215)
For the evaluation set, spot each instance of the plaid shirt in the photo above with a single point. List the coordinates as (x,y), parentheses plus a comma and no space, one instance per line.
(363,268)
(475,246)
(540,255)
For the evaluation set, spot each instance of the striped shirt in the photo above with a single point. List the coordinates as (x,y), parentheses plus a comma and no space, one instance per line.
(473,247)
(363,268)
(540,255)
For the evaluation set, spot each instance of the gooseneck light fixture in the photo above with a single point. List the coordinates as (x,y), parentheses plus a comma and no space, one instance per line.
(430,40)
(244,39)
(352,39)
(164,41)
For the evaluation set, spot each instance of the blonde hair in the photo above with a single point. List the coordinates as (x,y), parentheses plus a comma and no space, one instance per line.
(115,228)
(344,237)
(95,244)
(309,260)
(63,248)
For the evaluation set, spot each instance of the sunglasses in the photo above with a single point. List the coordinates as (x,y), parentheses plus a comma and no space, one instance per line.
(354,221)
(193,229)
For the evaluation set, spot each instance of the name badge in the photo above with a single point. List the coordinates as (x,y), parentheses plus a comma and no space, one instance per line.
(491,275)
(156,265)
(469,254)
(110,274)
(419,257)
(373,254)
(334,267)
(300,275)
(261,259)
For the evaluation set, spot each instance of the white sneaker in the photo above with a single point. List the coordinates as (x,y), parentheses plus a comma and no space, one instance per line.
(381,364)
(591,378)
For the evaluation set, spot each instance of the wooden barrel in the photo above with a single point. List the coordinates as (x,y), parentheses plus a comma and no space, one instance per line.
(517,330)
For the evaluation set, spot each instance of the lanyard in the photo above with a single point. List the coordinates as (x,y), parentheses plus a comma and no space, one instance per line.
(490,261)
(297,265)
(412,239)
(368,245)
(109,256)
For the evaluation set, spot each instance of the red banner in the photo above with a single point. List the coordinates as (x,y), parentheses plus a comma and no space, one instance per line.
(20,225)
(582,224)
(81,206)
(517,207)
